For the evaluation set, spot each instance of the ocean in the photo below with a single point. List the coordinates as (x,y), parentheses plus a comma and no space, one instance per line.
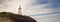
(47,18)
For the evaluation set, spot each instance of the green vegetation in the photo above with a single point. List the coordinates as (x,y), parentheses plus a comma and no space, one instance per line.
(17,17)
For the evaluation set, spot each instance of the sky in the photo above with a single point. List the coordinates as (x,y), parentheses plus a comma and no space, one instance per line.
(9,5)
(41,10)
(31,7)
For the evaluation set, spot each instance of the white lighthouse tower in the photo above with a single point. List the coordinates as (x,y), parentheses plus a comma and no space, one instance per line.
(20,10)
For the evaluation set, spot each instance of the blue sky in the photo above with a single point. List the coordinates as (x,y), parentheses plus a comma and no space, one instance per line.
(40,6)
(55,5)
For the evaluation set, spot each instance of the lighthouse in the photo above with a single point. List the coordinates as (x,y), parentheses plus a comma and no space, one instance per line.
(20,10)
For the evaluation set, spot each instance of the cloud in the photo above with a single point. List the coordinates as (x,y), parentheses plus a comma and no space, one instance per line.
(29,9)
(38,9)
(39,6)
(9,5)
(30,6)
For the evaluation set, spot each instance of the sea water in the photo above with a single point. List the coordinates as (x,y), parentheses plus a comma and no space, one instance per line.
(47,18)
